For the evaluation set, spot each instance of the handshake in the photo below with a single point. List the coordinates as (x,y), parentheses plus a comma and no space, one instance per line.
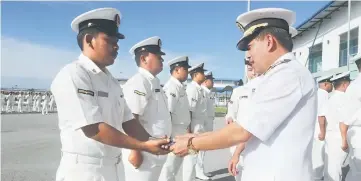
(161,146)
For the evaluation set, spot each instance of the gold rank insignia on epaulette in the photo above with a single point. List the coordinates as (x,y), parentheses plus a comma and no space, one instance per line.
(87,92)
(172,94)
(139,93)
(194,100)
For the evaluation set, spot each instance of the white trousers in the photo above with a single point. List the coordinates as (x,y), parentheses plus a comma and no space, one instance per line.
(149,170)
(335,157)
(318,158)
(355,165)
(20,106)
(75,167)
(172,165)
(199,167)
(45,108)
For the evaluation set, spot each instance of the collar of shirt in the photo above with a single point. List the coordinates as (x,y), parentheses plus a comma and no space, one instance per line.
(90,65)
(148,75)
(176,81)
(338,92)
(206,89)
(197,85)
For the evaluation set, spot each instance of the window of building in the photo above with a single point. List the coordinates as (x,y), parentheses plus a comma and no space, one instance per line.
(343,46)
(315,58)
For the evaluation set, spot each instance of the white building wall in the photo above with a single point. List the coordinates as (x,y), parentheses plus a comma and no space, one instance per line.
(329,36)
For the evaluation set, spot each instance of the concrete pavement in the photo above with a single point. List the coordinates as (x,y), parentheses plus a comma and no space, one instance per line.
(30,146)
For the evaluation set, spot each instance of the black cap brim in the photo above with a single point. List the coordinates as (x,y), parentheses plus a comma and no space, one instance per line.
(120,36)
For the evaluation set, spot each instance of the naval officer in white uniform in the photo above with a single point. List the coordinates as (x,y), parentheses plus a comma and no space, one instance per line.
(335,155)
(91,108)
(279,128)
(148,103)
(198,109)
(318,146)
(207,86)
(350,125)
(240,101)
(181,119)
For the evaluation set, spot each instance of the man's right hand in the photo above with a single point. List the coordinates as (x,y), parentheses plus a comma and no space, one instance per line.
(321,136)
(232,165)
(157,146)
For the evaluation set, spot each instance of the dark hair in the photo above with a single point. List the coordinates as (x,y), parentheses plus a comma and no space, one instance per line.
(283,37)
(138,55)
(338,83)
(240,82)
(90,31)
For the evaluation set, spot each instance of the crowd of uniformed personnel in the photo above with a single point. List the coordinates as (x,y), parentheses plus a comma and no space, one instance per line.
(271,118)
(27,102)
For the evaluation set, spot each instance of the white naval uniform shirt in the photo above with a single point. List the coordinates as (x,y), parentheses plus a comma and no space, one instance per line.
(281,118)
(322,98)
(198,106)
(178,105)
(351,112)
(333,113)
(233,103)
(210,103)
(145,97)
(86,95)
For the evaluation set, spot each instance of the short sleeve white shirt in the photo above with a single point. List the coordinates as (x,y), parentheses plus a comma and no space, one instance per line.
(281,118)
(145,97)
(351,112)
(210,103)
(197,103)
(177,102)
(87,95)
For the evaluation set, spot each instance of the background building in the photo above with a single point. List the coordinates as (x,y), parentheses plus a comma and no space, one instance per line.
(321,42)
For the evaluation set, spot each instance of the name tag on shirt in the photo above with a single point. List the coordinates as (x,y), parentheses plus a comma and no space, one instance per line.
(102,94)
(157,90)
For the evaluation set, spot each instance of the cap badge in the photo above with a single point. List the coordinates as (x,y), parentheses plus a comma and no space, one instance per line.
(117,19)
(240,26)
(90,24)
(254,27)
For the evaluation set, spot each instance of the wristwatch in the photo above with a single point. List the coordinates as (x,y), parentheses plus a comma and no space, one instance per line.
(191,149)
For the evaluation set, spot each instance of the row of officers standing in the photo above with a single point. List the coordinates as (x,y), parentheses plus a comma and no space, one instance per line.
(27,102)
(274,131)
(87,95)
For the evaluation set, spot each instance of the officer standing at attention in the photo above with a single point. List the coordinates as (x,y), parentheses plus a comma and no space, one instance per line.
(181,119)
(198,109)
(91,106)
(148,103)
(318,147)
(207,86)
(350,125)
(335,155)
(279,127)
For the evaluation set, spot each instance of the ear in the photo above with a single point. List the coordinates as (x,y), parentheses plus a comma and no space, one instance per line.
(88,40)
(271,42)
(142,59)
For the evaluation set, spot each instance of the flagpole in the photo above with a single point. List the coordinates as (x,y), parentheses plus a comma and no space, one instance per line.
(245,67)
(348,36)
